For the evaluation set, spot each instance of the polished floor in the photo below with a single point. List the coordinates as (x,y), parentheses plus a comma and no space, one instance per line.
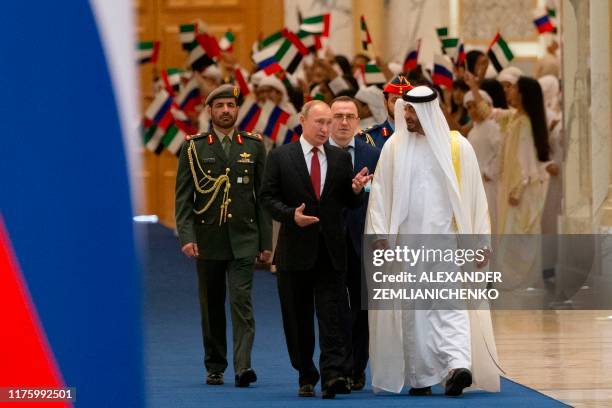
(564,354)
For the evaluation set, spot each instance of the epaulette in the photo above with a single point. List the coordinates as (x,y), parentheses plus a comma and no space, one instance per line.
(254,136)
(197,136)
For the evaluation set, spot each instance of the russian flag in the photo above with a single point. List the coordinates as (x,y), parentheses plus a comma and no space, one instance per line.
(412,57)
(277,118)
(442,71)
(189,96)
(248,115)
(543,24)
(70,277)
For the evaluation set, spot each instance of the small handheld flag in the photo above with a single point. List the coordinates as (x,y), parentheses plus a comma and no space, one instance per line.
(543,24)
(499,53)
(442,71)
(148,51)
(365,34)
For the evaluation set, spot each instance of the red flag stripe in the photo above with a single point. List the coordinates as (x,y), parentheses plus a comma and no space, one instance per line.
(27,359)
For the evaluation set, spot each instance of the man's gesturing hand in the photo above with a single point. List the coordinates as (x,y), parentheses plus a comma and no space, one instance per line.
(361,179)
(301,219)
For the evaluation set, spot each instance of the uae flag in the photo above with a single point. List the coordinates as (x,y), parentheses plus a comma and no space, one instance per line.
(226,43)
(264,53)
(499,53)
(318,25)
(365,34)
(209,44)
(171,78)
(173,139)
(198,60)
(175,135)
(290,53)
(442,71)
(373,75)
(412,57)
(188,32)
(148,51)
(442,32)
(152,138)
(271,40)
(311,41)
(239,77)
(450,47)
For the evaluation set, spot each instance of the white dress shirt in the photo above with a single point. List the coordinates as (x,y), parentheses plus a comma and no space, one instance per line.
(307,150)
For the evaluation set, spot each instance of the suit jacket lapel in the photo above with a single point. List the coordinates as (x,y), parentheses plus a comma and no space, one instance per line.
(359,163)
(297,156)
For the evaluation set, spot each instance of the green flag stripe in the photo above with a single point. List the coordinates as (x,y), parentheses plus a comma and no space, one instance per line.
(187,28)
(313,20)
(505,49)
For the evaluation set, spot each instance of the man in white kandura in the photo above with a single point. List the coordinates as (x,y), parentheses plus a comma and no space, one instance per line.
(428,182)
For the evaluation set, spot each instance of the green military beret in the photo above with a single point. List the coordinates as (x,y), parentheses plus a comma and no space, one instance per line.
(224,91)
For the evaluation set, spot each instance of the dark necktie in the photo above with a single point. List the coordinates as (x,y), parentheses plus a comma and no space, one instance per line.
(315,172)
(227,144)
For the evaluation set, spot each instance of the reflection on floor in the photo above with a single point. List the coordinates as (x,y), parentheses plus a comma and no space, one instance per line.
(564,354)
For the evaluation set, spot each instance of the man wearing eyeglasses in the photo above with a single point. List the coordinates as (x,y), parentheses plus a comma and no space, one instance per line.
(345,122)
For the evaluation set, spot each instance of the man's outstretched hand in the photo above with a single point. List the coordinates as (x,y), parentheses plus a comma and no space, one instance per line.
(301,219)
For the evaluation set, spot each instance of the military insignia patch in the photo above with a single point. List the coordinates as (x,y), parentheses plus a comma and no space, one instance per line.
(236,91)
(245,158)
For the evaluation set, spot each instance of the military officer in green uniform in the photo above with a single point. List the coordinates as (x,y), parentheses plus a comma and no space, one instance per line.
(221,224)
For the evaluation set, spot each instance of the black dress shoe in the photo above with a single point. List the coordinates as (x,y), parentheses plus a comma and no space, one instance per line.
(306,390)
(214,379)
(245,377)
(358,382)
(420,391)
(461,378)
(336,386)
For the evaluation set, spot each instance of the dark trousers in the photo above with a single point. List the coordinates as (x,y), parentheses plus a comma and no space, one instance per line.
(359,318)
(212,277)
(301,293)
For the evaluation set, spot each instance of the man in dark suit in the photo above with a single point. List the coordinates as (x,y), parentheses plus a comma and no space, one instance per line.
(345,120)
(307,185)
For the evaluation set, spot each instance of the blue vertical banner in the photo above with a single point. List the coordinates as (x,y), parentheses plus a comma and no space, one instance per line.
(69,107)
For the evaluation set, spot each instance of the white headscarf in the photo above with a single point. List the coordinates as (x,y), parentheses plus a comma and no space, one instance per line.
(510,74)
(550,91)
(437,134)
(273,82)
(469,97)
(212,72)
(373,97)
